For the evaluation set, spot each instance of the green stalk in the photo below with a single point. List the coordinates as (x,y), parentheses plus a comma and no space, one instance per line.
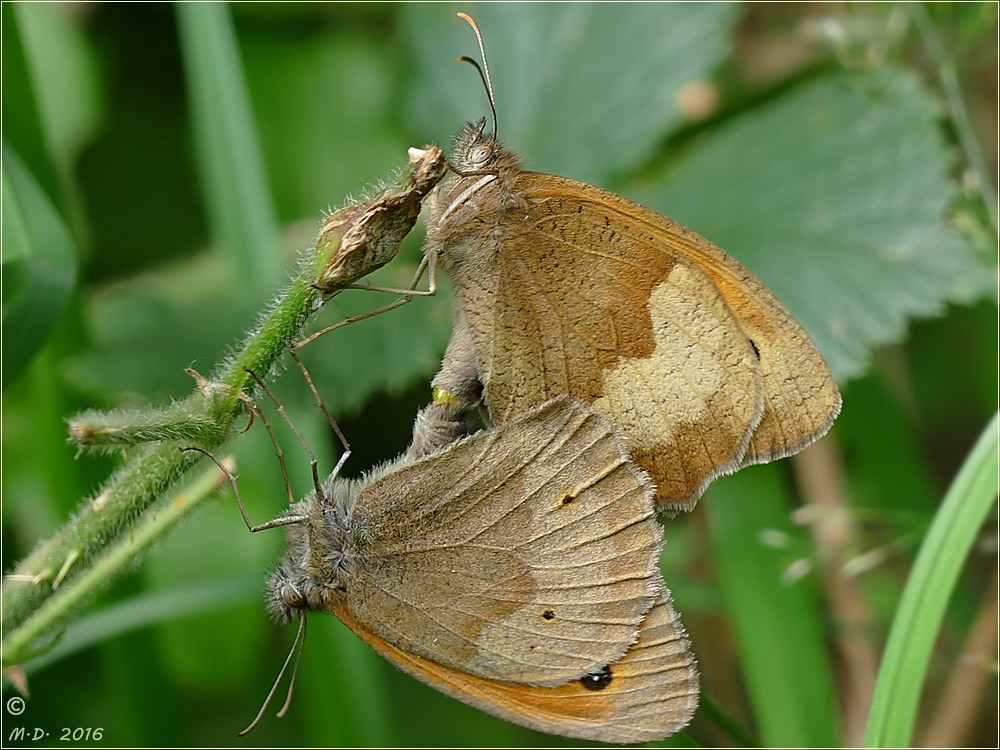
(922,605)
(134,488)
(112,559)
(359,237)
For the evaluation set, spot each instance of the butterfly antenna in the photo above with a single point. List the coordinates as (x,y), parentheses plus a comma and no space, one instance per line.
(484,71)
(296,648)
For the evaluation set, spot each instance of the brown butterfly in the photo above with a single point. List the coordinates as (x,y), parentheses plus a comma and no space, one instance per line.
(515,570)
(564,288)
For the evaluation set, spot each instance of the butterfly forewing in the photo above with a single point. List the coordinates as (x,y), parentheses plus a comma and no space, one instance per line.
(564,288)
(579,306)
(800,398)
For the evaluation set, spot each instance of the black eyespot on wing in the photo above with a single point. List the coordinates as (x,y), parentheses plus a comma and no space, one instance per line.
(597,680)
(549,614)
(567,499)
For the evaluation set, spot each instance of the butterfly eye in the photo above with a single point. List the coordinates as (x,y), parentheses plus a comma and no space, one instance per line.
(481,154)
(292,597)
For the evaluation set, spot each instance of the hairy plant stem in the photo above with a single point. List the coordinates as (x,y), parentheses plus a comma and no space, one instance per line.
(156,522)
(143,481)
(360,238)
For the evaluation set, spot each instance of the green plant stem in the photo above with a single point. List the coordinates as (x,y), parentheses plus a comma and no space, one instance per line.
(369,233)
(104,566)
(137,485)
(925,596)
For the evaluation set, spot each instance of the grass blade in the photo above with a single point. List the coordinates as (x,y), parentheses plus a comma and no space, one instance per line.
(921,608)
(237,195)
(39,265)
(778,627)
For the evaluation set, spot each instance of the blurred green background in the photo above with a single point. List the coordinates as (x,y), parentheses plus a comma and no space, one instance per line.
(845,153)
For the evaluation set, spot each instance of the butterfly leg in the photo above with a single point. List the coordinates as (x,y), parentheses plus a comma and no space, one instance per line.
(427,263)
(438,424)
(457,394)
(254,412)
(329,417)
(285,520)
(313,463)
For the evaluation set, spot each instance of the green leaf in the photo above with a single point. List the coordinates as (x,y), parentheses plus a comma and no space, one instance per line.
(64,67)
(144,610)
(583,89)
(232,167)
(836,196)
(22,125)
(187,311)
(778,628)
(39,265)
(325,108)
(928,589)
(192,325)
